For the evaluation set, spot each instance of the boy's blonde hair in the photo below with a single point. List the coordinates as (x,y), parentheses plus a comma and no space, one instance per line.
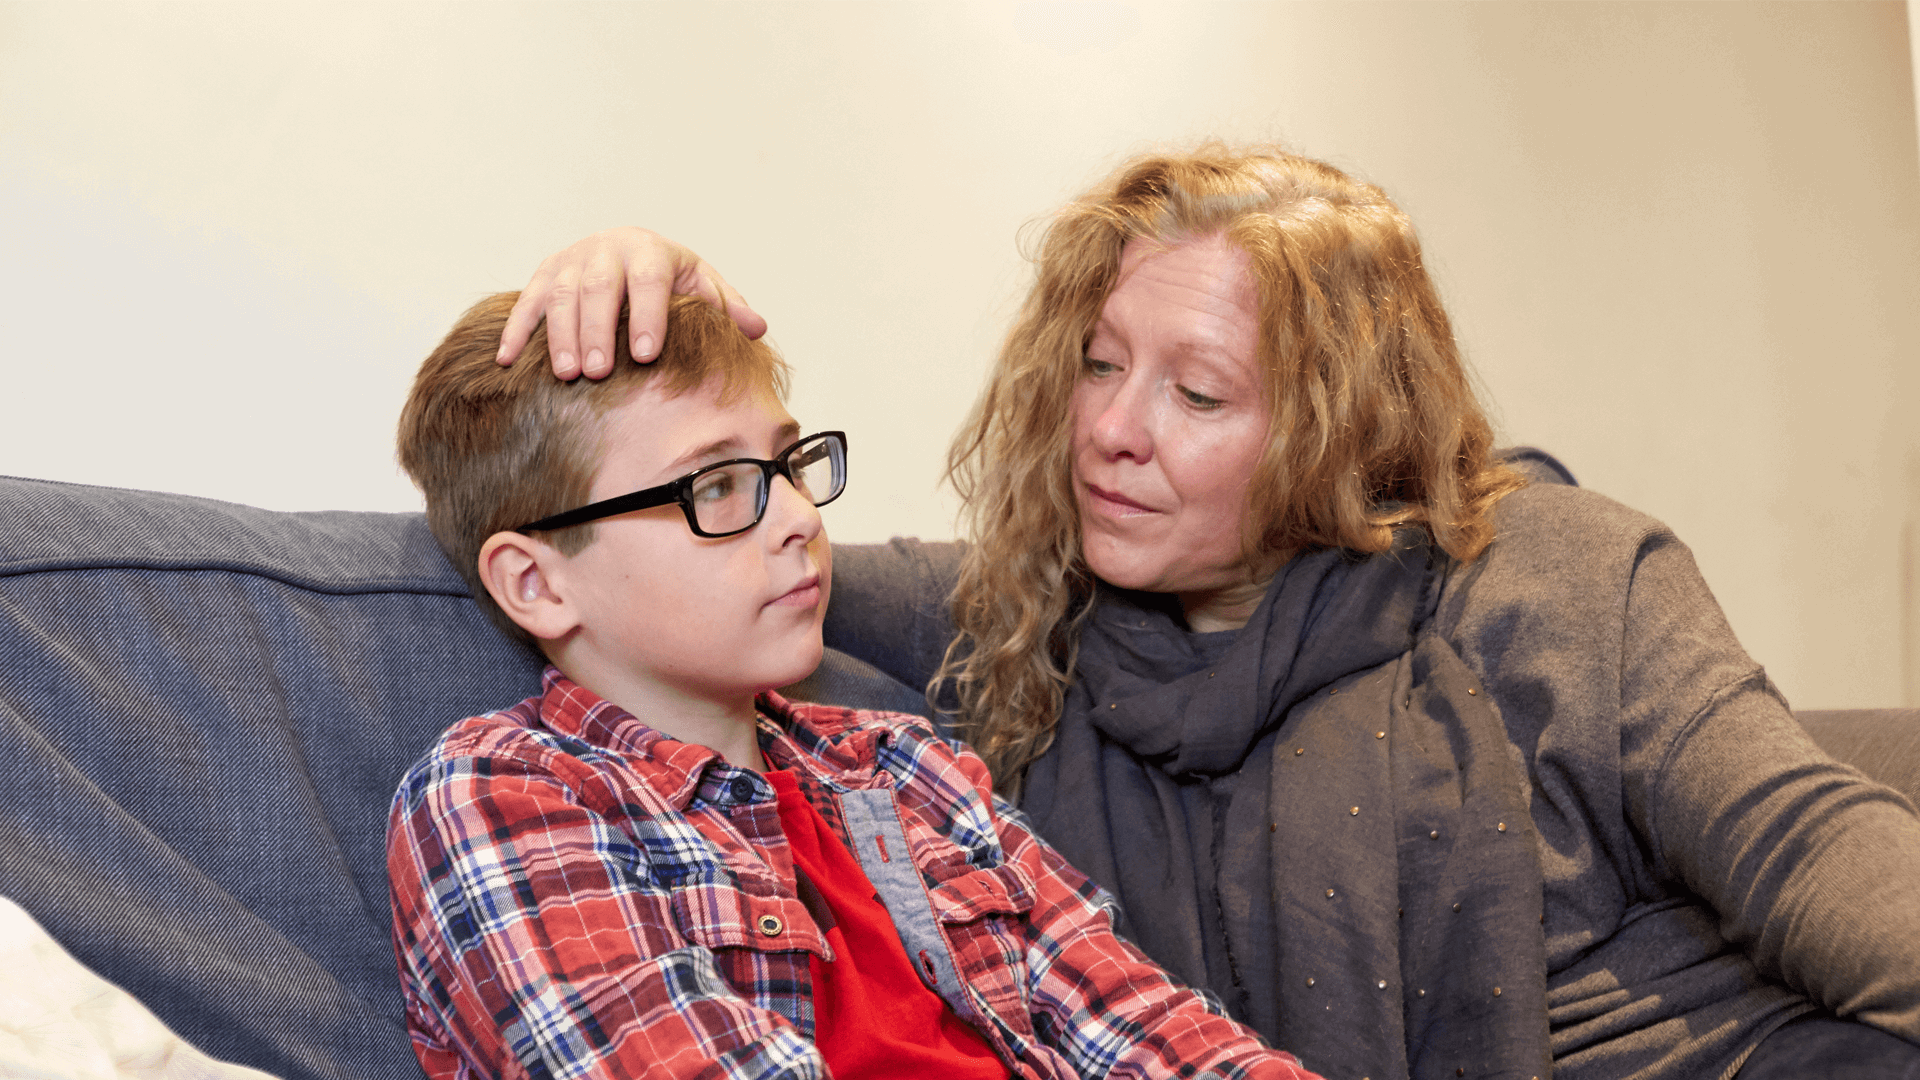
(493,447)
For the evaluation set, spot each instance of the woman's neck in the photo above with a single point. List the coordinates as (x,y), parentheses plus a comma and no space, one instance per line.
(1223,609)
(1230,606)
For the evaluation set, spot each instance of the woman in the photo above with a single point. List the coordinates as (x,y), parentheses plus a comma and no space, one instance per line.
(1425,770)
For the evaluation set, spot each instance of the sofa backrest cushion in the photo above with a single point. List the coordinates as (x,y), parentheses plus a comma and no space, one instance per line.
(204,709)
(1883,743)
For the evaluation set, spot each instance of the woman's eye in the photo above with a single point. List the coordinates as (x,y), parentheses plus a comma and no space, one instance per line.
(1199,400)
(1097,368)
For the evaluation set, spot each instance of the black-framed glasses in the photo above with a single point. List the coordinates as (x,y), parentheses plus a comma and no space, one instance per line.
(729,497)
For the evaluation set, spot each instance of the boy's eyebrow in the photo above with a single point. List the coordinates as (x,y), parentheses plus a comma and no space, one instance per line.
(700,454)
(731,446)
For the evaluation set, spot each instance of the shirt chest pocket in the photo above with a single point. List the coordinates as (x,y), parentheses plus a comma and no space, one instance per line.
(722,915)
(975,894)
(983,915)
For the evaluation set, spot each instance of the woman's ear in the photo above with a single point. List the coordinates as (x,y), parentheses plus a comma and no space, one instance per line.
(517,571)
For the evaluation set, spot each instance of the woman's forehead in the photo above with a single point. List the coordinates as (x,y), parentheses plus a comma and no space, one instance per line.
(1196,295)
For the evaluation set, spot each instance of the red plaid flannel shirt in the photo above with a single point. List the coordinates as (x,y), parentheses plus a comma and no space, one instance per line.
(576,894)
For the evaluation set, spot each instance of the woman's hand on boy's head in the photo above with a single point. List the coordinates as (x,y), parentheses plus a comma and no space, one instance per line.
(578,291)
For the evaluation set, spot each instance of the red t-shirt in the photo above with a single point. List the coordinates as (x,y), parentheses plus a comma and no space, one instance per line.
(873,1017)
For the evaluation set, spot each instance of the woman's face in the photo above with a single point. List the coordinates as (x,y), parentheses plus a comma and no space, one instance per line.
(1169,422)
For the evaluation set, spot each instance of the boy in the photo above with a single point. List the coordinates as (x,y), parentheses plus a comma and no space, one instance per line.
(659,867)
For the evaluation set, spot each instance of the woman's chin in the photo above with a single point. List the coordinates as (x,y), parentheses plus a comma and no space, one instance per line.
(1125,569)
(1129,567)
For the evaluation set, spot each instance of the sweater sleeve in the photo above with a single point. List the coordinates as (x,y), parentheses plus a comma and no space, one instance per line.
(889,605)
(1813,869)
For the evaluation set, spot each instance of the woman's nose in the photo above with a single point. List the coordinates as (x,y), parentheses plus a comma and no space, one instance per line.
(1120,428)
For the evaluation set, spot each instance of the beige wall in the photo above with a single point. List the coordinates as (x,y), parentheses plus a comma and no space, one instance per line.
(1910,535)
(1682,243)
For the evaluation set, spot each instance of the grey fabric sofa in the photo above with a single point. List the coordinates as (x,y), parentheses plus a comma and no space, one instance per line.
(203,711)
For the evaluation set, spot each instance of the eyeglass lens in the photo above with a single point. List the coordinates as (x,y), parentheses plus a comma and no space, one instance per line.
(731,498)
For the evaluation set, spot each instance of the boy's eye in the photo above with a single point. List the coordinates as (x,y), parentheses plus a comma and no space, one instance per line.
(1199,400)
(715,486)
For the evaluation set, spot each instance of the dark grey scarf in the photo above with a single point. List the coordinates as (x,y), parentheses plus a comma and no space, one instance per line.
(1322,822)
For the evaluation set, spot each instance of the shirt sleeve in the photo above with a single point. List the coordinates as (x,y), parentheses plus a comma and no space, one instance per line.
(1097,999)
(890,605)
(1813,869)
(532,941)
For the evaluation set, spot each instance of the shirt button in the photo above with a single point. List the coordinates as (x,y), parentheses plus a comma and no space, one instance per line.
(770,925)
(741,789)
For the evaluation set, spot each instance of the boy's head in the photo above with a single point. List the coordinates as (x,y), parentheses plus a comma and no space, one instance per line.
(494,448)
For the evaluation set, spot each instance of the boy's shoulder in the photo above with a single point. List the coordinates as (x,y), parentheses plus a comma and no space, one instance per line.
(565,736)
(512,739)
(491,733)
(520,730)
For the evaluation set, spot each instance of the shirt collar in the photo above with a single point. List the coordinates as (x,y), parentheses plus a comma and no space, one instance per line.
(672,768)
(834,745)
(840,747)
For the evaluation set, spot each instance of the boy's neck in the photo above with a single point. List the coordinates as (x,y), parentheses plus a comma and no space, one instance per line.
(728,726)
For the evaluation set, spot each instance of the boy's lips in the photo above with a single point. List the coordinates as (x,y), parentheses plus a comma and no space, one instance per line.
(805,594)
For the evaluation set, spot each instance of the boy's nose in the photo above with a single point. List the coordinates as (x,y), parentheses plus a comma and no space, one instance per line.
(790,515)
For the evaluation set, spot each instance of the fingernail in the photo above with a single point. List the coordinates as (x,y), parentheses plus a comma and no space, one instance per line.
(596,360)
(643,345)
(566,361)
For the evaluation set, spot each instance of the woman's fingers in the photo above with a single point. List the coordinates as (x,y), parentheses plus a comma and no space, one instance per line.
(563,322)
(578,291)
(656,278)
(598,307)
(748,320)
(649,298)
(648,292)
(526,315)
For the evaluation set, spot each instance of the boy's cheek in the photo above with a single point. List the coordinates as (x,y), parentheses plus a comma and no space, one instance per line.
(822,553)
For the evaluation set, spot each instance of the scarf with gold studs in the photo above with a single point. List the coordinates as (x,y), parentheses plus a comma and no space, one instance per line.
(1319,818)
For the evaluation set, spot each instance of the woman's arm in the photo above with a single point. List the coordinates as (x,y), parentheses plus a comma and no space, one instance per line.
(578,292)
(1813,869)
(889,605)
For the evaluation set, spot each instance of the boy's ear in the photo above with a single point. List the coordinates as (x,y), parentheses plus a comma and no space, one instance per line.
(516,570)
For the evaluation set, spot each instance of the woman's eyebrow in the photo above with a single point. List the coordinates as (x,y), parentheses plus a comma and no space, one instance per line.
(1210,354)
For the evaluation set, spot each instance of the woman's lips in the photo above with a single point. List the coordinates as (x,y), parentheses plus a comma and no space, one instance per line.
(1115,503)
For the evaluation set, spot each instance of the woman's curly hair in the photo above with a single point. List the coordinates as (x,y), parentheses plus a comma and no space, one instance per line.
(1374,421)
